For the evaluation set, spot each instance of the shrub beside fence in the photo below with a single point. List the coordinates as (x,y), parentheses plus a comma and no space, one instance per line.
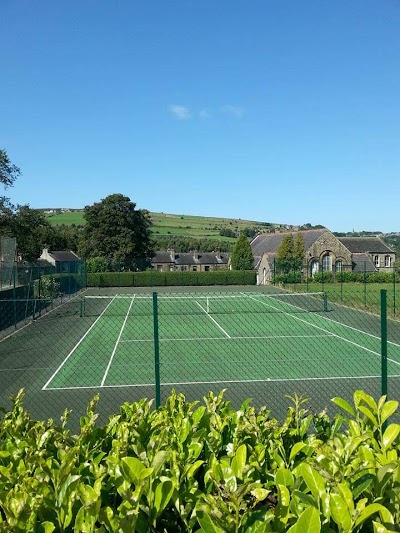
(153,278)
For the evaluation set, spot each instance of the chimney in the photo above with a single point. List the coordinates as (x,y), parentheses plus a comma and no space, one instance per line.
(171,253)
(195,255)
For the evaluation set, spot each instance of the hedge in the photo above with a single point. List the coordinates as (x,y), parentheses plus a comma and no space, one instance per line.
(153,278)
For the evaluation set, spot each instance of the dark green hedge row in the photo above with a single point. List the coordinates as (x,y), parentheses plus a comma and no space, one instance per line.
(153,278)
(371,277)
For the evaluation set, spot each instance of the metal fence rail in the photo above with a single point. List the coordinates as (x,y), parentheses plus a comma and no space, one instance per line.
(257,342)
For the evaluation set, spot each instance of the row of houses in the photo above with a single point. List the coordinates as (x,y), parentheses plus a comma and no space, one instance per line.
(323,252)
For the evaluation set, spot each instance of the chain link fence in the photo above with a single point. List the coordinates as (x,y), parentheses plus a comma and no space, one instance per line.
(264,343)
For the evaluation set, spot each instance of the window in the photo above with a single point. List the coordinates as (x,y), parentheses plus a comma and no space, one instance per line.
(376,261)
(326,263)
(388,261)
(314,267)
(207,268)
(171,268)
(159,268)
(194,268)
(338,266)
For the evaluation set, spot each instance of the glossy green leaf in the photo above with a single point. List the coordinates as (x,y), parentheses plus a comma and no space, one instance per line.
(133,469)
(340,402)
(368,413)
(390,434)
(239,461)
(284,476)
(371,509)
(308,522)
(389,409)
(162,495)
(207,524)
(296,449)
(314,481)
(46,527)
(340,513)
(379,528)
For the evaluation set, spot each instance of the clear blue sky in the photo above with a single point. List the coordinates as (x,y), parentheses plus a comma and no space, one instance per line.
(276,111)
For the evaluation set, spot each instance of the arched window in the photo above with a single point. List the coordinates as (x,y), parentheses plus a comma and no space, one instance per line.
(338,266)
(388,261)
(376,261)
(327,263)
(314,267)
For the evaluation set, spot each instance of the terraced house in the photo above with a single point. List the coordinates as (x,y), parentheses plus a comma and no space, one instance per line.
(325,252)
(194,261)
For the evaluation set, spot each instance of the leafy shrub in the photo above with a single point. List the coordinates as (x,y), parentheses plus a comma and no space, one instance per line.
(290,277)
(153,278)
(187,467)
(325,277)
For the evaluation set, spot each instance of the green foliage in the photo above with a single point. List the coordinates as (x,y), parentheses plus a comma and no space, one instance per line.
(116,230)
(96,264)
(242,255)
(153,278)
(187,467)
(8,171)
(290,254)
(187,244)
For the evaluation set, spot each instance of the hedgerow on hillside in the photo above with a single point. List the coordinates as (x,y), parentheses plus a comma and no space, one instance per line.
(206,468)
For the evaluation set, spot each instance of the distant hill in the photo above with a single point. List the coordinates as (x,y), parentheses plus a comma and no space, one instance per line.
(182,225)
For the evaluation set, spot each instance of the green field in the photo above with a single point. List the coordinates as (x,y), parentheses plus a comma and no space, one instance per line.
(169,224)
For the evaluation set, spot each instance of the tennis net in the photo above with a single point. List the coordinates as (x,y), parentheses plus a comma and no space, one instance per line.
(193,304)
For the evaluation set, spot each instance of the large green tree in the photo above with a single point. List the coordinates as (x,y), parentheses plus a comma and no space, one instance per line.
(285,254)
(242,255)
(30,228)
(117,231)
(298,252)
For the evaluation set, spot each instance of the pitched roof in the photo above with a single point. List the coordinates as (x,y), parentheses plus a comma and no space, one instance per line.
(63,255)
(362,263)
(189,258)
(365,244)
(269,243)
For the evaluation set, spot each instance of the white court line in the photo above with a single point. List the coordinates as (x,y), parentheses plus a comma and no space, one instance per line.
(251,337)
(323,329)
(75,347)
(117,342)
(213,319)
(176,383)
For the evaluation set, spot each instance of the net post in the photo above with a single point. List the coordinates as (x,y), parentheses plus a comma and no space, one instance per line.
(156,351)
(325,296)
(384,376)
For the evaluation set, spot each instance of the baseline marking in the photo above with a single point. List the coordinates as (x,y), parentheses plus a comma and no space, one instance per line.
(266,380)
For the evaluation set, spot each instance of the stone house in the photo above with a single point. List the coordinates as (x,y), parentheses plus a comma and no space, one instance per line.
(194,261)
(324,252)
(64,261)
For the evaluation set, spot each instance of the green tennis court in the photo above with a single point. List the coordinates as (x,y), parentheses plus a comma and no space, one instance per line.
(219,339)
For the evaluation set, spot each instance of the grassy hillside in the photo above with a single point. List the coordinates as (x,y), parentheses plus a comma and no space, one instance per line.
(182,225)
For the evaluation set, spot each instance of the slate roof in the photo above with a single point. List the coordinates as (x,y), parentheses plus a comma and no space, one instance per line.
(63,255)
(188,258)
(362,263)
(270,242)
(358,245)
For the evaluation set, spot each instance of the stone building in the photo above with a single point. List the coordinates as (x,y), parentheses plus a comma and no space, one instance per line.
(324,252)
(194,261)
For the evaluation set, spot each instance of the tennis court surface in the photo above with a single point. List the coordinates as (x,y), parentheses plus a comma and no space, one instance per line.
(255,344)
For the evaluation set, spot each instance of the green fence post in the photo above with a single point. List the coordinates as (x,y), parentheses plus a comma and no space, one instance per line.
(394,291)
(384,376)
(156,351)
(15,296)
(365,284)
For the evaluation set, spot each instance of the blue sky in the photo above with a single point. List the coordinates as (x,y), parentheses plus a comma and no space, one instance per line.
(275,111)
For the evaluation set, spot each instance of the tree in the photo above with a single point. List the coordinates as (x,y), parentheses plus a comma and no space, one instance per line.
(8,171)
(298,252)
(30,228)
(117,231)
(285,254)
(242,256)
